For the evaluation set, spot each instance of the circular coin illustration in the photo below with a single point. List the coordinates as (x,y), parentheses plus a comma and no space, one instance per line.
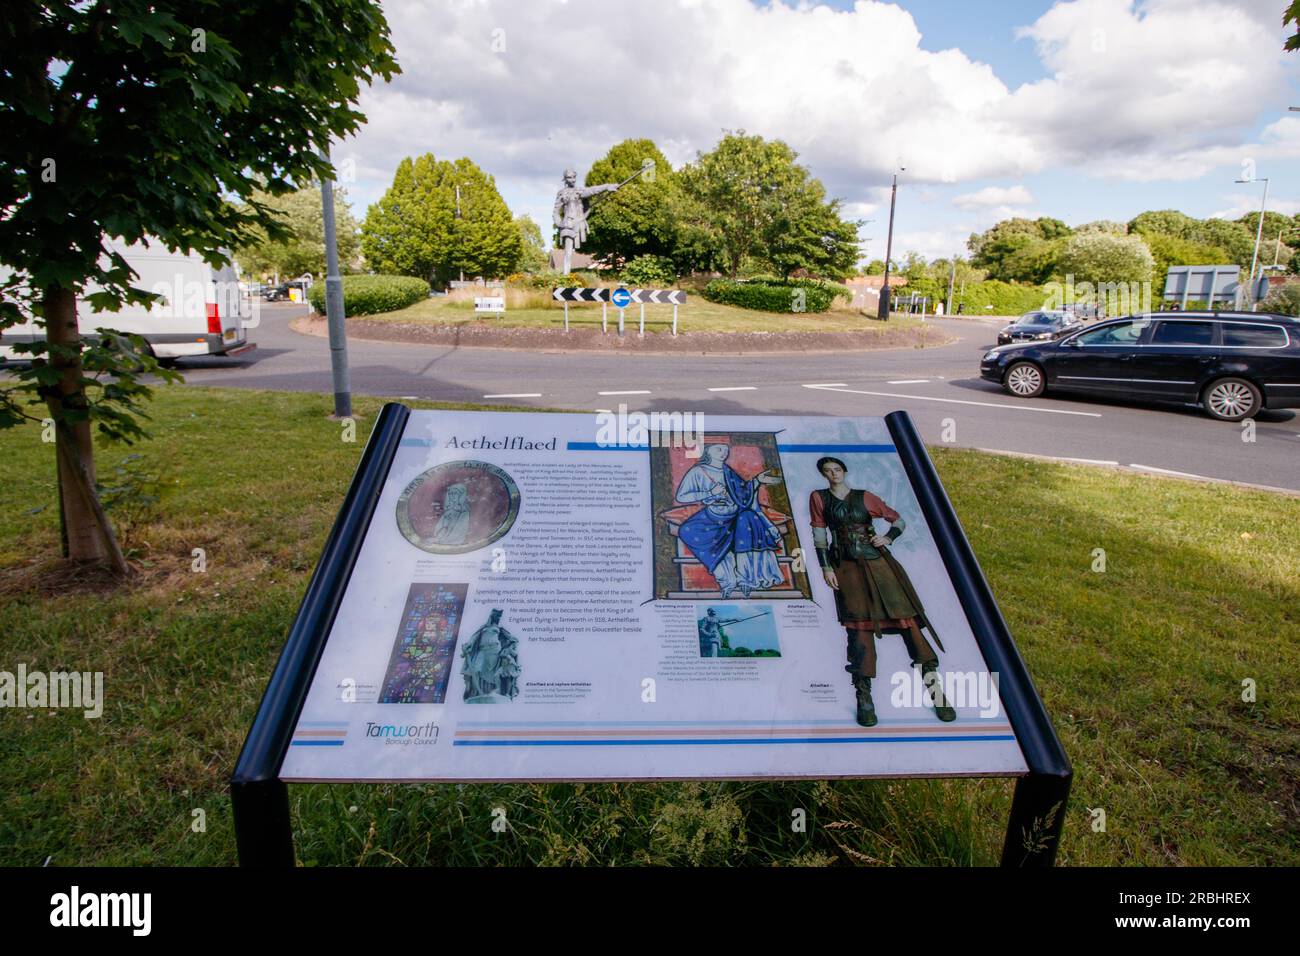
(458,506)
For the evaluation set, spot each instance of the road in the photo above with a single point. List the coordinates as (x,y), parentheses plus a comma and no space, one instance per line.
(939,387)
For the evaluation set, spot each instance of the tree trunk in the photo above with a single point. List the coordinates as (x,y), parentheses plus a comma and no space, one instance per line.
(88,533)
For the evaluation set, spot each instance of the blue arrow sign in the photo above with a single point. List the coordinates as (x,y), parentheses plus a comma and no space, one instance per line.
(621,298)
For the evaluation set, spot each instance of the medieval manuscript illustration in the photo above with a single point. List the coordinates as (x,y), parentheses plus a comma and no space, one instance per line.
(723,526)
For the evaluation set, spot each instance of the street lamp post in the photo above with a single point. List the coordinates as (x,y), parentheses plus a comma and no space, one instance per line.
(1259,233)
(889,247)
(334,304)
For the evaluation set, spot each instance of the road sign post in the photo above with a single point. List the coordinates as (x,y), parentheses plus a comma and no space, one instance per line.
(604,318)
(642,331)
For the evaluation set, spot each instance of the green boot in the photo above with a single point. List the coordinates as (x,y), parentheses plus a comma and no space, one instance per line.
(933,684)
(866,709)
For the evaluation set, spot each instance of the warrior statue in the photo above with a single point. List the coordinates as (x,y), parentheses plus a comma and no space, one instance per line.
(571,208)
(490,662)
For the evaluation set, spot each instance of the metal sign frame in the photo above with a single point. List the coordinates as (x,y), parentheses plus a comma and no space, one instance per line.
(260,799)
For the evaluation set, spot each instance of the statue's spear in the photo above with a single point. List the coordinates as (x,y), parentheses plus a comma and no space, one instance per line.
(647,164)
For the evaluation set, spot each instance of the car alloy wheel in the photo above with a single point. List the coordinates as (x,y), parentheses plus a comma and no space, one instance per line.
(1025,380)
(1231,399)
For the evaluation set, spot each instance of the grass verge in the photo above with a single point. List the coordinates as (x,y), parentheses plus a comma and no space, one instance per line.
(1141,667)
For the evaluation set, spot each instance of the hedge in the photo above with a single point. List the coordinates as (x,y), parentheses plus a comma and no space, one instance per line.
(776,296)
(1006,298)
(369,295)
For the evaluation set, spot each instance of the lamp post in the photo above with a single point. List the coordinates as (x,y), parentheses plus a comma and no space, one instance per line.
(889,247)
(334,303)
(1259,232)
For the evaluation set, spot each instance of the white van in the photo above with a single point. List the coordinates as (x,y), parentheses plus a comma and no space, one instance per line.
(200,312)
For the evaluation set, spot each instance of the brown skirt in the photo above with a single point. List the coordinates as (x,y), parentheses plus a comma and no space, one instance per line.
(871,597)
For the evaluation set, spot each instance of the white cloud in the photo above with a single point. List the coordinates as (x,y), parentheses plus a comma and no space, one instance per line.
(1168,89)
(1005,196)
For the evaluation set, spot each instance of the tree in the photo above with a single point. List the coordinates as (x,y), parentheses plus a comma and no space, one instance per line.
(304,251)
(439,220)
(1292,15)
(1171,251)
(533,256)
(1019,249)
(756,203)
(1102,258)
(1168,222)
(128,120)
(638,220)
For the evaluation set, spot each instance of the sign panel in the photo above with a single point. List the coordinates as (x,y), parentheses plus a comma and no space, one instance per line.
(489,303)
(641,596)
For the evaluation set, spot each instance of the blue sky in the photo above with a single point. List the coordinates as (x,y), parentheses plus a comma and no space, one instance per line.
(1078,109)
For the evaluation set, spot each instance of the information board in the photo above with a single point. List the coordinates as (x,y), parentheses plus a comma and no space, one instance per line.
(640,596)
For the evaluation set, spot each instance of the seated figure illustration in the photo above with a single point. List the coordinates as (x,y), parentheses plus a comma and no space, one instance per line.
(730,535)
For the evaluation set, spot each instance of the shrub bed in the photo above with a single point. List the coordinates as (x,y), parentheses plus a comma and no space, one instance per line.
(370,295)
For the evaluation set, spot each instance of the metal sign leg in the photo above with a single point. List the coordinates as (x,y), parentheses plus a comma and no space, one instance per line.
(263,828)
(620,322)
(674,318)
(1037,816)
(566,316)
(642,330)
(604,318)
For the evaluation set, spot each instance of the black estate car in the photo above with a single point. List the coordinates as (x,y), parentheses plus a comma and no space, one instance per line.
(1036,327)
(1230,363)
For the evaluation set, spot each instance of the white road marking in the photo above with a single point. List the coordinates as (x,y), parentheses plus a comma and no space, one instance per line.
(908,381)
(515,395)
(1176,474)
(827,385)
(634,391)
(735,388)
(956,401)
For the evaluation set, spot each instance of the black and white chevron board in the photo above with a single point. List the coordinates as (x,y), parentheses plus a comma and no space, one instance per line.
(661,296)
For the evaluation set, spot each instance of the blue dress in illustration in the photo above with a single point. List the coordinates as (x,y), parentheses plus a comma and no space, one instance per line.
(730,535)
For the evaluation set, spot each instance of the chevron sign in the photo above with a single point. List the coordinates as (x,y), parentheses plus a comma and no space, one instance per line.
(580,295)
(663,296)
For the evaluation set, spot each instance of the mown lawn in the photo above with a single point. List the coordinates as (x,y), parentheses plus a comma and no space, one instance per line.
(1141,667)
(697,315)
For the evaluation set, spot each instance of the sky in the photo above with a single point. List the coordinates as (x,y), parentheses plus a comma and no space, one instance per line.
(1078,109)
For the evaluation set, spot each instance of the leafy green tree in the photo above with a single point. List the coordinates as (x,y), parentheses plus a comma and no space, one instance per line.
(126,120)
(750,191)
(1101,257)
(876,267)
(440,220)
(1019,249)
(1104,225)
(1167,222)
(639,219)
(304,251)
(1231,236)
(533,257)
(1171,251)
(1292,15)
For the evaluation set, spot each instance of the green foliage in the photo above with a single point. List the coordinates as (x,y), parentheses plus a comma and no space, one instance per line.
(1292,15)
(372,294)
(1004,297)
(755,202)
(876,267)
(415,229)
(649,272)
(1102,257)
(304,251)
(793,296)
(1020,250)
(1172,251)
(1235,239)
(131,120)
(533,258)
(640,219)
(546,280)
(1284,300)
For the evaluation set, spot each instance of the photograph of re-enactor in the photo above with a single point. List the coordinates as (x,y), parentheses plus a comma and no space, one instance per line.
(873,594)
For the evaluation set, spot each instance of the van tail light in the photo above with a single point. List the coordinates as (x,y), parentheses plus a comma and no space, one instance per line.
(214,318)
